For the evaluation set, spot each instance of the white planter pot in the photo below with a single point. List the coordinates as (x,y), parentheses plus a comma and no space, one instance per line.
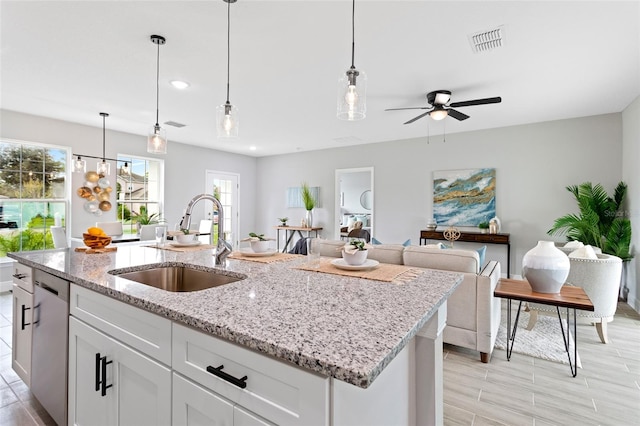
(259,246)
(357,258)
(545,267)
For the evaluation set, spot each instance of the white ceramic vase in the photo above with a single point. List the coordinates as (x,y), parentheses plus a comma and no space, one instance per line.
(545,267)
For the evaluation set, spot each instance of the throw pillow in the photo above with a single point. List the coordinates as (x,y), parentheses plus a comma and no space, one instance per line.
(363,219)
(586,252)
(350,221)
(574,244)
(405,244)
(481,252)
(436,246)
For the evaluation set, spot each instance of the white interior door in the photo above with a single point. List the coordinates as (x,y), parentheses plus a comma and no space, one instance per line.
(226,187)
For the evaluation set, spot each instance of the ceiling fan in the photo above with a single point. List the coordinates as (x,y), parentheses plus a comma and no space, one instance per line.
(440,107)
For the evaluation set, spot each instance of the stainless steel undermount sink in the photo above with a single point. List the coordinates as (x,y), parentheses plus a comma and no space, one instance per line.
(177,278)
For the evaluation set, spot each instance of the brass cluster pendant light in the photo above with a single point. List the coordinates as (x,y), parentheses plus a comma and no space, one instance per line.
(352,97)
(157,139)
(227,117)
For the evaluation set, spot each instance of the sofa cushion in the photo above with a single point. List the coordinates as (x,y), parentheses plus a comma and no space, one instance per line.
(448,260)
(331,248)
(386,253)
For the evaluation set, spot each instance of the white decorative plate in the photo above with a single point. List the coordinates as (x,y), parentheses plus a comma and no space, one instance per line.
(250,253)
(368,264)
(189,244)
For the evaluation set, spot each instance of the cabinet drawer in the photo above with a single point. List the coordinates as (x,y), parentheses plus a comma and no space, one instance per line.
(23,276)
(142,330)
(282,393)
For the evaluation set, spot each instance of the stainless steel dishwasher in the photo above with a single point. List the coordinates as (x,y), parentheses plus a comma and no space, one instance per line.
(49,353)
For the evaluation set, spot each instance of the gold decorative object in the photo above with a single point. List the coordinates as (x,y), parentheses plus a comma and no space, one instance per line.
(105,206)
(451,234)
(84,192)
(92,176)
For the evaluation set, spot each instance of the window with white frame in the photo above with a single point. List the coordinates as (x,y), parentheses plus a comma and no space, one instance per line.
(139,191)
(33,188)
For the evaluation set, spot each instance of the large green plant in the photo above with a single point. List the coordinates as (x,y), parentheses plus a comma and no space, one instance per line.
(307,197)
(601,222)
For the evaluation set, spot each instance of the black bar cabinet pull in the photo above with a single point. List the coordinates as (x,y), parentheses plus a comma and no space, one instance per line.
(19,276)
(24,324)
(104,376)
(241,383)
(98,361)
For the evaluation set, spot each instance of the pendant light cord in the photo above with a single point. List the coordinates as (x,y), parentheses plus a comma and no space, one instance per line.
(103,137)
(158,87)
(228,45)
(353,34)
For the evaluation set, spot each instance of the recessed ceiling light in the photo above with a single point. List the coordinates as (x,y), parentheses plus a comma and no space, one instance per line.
(179,84)
(252,148)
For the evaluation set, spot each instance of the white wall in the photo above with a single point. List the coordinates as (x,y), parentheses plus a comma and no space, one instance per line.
(534,163)
(631,175)
(185,165)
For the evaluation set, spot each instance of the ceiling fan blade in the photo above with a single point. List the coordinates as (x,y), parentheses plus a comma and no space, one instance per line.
(398,109)
(457,114)
(484,101)
(417,118)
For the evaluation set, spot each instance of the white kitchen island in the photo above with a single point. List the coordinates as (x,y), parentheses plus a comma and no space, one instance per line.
(316,348)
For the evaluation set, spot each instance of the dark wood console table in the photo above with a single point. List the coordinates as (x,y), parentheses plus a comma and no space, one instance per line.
(473,237)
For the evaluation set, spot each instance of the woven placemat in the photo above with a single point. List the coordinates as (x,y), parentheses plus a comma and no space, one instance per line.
(277,257)
(185,248)
(383,272)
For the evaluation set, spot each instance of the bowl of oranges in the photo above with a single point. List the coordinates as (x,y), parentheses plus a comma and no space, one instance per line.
(95,238)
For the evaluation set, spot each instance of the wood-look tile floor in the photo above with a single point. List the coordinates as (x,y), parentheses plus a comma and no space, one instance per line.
(532,391)
(523,391)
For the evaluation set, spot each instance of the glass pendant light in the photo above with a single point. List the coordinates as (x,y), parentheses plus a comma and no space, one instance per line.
(227,118)
(103,168)
(157,139)
(352,97)
(79,165)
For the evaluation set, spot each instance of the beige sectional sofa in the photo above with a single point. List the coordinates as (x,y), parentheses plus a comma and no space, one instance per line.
(475,329)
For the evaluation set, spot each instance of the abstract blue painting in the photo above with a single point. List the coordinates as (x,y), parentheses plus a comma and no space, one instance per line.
(464,197)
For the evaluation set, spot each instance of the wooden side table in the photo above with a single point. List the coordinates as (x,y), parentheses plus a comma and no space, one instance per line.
(569,297)
(290,231)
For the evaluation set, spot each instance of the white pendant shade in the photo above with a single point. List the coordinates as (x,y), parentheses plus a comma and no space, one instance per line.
(157,140)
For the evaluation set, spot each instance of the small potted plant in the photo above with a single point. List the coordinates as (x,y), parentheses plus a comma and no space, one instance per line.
(484,226)
(309,203)
(283,221)
(355,252)
(185,238)
(259,244)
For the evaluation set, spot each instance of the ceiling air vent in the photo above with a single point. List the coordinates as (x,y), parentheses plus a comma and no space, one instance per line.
(485,41)
(174,124)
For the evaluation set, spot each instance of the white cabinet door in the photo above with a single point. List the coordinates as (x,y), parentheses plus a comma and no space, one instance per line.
(87,406)
(244,418)
(194,405)
(21,347)
(125,388)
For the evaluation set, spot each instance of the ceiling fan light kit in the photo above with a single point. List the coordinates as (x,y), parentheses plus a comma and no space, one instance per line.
(157,138)
(227,115)
(440,108)
(352,85)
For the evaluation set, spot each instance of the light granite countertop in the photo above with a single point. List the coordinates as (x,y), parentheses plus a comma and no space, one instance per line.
(343,327)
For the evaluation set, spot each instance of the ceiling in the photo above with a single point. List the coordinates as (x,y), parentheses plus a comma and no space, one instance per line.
(70,60)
